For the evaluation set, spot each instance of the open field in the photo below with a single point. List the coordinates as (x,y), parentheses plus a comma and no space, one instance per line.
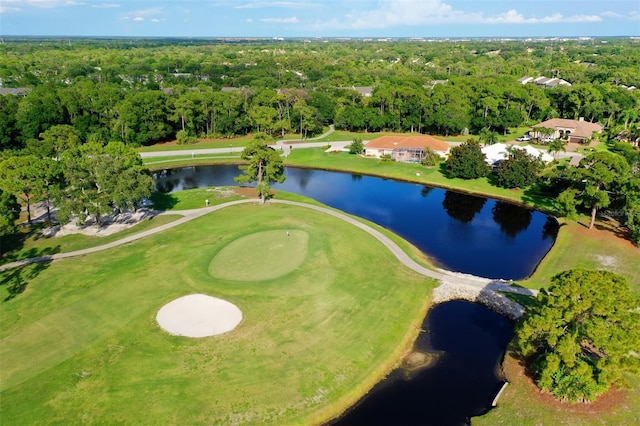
(81,343)
(577,246)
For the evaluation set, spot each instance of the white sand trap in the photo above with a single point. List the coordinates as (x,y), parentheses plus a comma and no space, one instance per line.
(198,315)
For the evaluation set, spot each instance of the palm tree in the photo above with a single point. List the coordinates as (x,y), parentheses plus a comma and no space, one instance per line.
(555,146)
(487,136)
(630,116)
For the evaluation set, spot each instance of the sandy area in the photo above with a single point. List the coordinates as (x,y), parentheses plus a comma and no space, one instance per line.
(110,224)
(198,315)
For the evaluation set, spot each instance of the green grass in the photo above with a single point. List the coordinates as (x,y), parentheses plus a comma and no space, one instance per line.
(81,344)
(30,242)
(281,250)
(202,144)
(575,247)
(521,404)
(578,247)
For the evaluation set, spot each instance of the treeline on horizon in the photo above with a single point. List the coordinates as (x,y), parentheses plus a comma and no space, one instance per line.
(148,91)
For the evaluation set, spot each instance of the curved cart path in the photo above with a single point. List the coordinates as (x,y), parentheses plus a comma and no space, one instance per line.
(444,276)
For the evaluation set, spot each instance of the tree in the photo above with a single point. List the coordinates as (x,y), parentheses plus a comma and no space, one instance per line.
(356,146)
(101,179)
(19,176)
(488,136)
(519,170)
(582,334)
(555,146)
(54,141)
(631,191)
(467,161)
(9,212)
(431,158)
(264,166)
(596,176)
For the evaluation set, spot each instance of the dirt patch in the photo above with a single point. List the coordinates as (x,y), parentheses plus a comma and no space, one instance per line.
(245,191)
(515,373)
(607,230)
(418,360)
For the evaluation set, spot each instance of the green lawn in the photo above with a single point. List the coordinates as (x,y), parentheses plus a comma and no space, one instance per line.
(81,344)
(575,247)
(30,242)
(579,247)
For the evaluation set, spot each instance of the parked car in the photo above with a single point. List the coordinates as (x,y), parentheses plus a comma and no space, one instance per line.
(547,139)
(145,202)
(524,138)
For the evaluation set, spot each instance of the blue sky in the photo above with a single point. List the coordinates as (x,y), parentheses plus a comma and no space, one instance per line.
(321,18)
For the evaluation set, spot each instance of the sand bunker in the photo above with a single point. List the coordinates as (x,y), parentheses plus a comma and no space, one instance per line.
(198,315)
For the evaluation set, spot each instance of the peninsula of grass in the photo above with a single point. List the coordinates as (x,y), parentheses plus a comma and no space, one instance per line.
(81,344)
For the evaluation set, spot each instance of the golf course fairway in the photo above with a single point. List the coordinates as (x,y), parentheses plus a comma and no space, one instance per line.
(326,309)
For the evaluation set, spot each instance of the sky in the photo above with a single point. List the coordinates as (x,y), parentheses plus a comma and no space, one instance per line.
(320,18)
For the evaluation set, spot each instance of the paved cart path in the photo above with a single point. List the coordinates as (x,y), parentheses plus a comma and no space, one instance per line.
(444,276)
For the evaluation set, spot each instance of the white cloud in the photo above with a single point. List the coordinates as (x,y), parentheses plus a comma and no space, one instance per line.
(48,4)
(284,4)
(105,6)
(393,13)
(291,20)
(248,20)
(610,14)
(6,9)
(138,19)
(142,13)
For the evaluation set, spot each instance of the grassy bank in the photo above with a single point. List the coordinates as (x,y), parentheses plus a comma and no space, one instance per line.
(522,403)
(81,343)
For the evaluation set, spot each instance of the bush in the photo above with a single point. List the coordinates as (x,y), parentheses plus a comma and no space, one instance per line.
(519,170)
(431,158)
(183,138)
(467,161)
(356,146)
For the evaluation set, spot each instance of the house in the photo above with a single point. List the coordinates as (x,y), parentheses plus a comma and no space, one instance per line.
(629,136)
(365,91)
(544,81)
(572,130)
(17,91)
(499,152)
(405,149)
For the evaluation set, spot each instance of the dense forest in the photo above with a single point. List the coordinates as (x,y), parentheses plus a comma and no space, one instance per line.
(143,91)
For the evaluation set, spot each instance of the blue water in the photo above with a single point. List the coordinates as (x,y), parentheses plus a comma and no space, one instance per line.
(459,232)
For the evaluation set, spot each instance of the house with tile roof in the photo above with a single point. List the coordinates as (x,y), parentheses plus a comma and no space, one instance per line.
(570,130)
(405,149)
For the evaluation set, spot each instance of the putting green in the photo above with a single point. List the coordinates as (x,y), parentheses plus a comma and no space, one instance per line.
(261,256)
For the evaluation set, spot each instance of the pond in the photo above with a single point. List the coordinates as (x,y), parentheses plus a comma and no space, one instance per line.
(468,343)
(459,232)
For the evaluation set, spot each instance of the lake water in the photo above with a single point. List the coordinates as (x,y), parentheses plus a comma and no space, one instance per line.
(459,232)
(469,341)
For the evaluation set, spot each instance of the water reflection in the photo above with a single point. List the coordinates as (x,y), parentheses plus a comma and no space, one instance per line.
(462,207)
(511,218)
